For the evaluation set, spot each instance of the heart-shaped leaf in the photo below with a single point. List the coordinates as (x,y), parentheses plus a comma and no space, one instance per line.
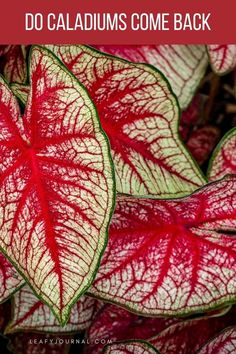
(56,184)
(222,57)
(183,65)
(223,159)
(130,347)
(172,257)
(186,337)
(30,314)
(225,342)
(140,116)
(113,323)
(10,280)
(15,69)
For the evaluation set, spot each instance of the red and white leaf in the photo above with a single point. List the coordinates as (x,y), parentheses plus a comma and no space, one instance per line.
(140,116)
(223,160)
(35,343)
(21,92)
(183,65)
(10,280)
(131,347)
(222,57)
(15,69)
(225,343)
(172,257)
(113,323)
(56,184)
(30,314)
(202,142)
(186,337)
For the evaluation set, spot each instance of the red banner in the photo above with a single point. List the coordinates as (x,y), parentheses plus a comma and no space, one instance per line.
(117,22)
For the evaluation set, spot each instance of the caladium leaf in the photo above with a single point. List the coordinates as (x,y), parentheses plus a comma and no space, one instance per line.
(172,257)
(15,69)
(225,342)
(10,280)
(140,116)
(35,343)
(202,141)
(21,92)
(186,337)
(30,314)
(223,160)
(4,49)
(56,183)
(130,347)
(190,117)
(113,323)
(222,57)
(183,65)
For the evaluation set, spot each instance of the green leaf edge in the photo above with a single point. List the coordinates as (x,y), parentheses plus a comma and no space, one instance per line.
(9,330)
(12,87)
(192,91)
(17,288)
(153,70)
(24,54)
(214,337)
(65,319)
(130,341)
(218,147)
(212,66)
(181,314)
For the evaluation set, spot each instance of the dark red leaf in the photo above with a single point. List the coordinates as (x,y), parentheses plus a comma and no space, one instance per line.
(202,142)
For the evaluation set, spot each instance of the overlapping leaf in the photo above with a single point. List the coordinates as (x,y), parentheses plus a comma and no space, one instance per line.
(225,343)
(202,141)
(15,69)
(186,337)
(10,280)
(222,57)
(223,160)
(113,323)
(183,65)
(131,347)
(56,184)
(140,116)
(30,314)
(21,92)
(172,257)
(3,49)
(190,117)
